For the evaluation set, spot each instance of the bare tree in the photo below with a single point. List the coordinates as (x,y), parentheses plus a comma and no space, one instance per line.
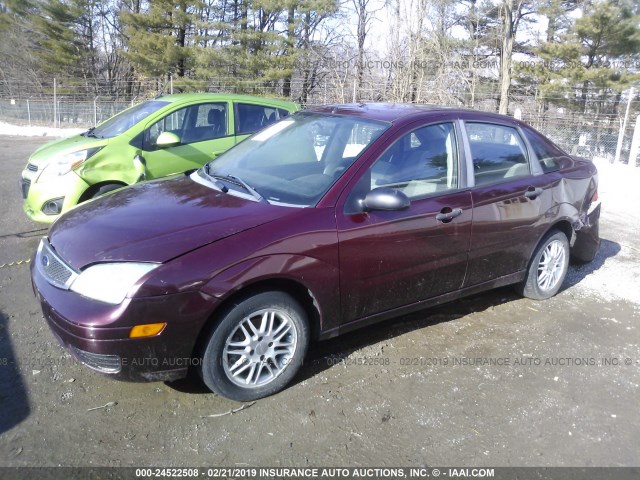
(364,15)
(511,14)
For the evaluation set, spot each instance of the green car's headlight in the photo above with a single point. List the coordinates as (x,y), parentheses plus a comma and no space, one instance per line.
(64,163)
(110,282)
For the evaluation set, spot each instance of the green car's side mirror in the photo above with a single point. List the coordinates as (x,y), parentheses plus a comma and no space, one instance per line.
(167,139)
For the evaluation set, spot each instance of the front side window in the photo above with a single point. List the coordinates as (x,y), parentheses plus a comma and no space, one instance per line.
(195,123)
(286,164)
(421,163)
(497,151)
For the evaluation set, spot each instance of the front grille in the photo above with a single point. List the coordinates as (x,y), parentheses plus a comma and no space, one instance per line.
(25,184)
(31,167)
(52,267)
(98,361)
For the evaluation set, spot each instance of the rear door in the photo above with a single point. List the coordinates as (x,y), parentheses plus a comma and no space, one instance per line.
(510,198)
(389,259)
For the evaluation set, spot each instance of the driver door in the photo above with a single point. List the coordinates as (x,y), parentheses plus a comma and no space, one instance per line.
(204,133)
(390,259)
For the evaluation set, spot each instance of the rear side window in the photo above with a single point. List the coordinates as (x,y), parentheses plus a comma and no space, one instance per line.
(498,153)
(251,118)
(547,154)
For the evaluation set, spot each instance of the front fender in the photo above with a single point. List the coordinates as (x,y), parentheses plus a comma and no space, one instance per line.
(102,168)
(319,278)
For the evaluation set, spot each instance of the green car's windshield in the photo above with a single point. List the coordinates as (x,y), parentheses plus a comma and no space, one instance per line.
(125,120)
(295,161)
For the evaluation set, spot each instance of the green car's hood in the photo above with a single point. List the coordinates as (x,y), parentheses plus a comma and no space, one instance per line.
(48,151)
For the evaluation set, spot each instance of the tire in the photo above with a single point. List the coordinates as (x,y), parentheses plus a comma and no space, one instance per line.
(240,361)
(105,189)
(542,283)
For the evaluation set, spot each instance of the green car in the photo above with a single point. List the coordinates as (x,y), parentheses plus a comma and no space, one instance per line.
(160,137)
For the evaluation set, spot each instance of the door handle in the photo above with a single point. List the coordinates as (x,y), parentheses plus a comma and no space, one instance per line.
(216,154)
(533,192)
(447,214)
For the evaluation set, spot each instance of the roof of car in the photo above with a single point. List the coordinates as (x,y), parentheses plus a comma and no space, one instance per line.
(178,97)
(391,112)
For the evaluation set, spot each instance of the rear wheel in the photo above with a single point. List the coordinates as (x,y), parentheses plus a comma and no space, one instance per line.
(257,348)
(547,268)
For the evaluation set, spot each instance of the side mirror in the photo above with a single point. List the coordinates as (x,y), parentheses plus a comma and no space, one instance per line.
(167,139)
(385,198)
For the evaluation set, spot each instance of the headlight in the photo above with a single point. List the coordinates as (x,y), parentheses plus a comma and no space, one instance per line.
(63,164)
(110,282)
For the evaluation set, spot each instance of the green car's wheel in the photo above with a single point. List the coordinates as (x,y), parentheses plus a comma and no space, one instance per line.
(93,192)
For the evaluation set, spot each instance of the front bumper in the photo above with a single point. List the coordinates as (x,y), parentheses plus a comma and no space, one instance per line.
(97,334)
(36,194)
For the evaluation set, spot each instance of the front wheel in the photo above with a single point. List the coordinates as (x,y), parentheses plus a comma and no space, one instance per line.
(257,347)
(547,268)
(109,187)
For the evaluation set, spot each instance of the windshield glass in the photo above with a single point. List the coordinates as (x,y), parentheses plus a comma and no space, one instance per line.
(127,119)
(295,161)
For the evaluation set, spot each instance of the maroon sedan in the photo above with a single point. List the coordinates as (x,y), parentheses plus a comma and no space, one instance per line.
(330,220)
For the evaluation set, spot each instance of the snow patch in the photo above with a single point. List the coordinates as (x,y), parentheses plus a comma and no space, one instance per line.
(615,275)
(37,131)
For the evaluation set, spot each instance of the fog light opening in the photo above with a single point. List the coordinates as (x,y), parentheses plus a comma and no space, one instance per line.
(53,207)
(147,330)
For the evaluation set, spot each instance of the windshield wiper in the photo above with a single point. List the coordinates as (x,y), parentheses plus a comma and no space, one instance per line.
(248,187)
(219,185)
(238,181)
(89,133)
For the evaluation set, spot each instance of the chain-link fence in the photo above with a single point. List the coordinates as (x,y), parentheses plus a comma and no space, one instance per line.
(588,139)
(63,112)
(68,103)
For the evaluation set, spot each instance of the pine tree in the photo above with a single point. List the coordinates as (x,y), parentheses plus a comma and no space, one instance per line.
(66,44)
(161,37)
(592,57)
(18,66)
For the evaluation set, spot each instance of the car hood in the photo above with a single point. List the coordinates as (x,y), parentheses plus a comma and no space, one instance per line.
(154,222)
(46,152)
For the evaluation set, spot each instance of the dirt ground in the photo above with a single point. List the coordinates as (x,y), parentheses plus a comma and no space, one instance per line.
(493,380)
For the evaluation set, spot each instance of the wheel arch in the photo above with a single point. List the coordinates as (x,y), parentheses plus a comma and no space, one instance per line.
(563,225)
(295,289)
(90,192)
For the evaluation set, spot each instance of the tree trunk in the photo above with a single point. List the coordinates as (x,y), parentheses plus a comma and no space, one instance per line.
(286,85)
(506,56)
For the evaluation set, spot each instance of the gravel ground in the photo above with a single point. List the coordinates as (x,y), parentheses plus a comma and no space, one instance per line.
(561,386)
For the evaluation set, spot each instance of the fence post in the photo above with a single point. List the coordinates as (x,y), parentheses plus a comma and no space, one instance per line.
(635,144)
(55,104)
(29,112)
(354,90)
(623,128)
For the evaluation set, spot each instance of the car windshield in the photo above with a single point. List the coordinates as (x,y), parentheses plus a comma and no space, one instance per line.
(294,162)
(125,120)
